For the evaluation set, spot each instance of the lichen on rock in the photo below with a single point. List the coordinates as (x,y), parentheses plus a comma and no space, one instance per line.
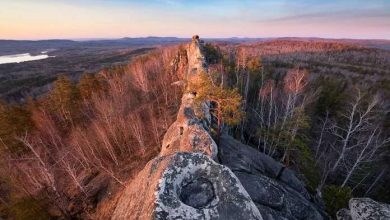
(185,186)
(178,199)
(363,209)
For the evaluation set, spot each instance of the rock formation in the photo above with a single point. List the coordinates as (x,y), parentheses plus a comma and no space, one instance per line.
(275,190)
(364,208)
(187,133)
(185,182)
(185,186)
(196,59)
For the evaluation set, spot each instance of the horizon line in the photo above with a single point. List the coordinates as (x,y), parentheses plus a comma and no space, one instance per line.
(207,37)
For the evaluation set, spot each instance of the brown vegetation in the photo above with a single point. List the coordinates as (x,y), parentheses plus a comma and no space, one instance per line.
(102,128)
(308,104)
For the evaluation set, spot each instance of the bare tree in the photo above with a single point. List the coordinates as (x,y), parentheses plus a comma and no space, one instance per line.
(280,111)
(367,153)
(136,127)
(353,141)
(324,125)
(359,119)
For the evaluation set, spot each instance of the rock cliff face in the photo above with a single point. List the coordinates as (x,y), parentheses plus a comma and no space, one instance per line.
(185,181)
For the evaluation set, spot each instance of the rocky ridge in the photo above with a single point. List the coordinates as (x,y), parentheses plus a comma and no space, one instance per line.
(185,182)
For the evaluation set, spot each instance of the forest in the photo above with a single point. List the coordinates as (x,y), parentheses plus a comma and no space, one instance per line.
(63,152)
(320,108)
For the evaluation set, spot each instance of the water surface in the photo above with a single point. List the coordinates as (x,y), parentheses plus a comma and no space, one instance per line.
(24,57)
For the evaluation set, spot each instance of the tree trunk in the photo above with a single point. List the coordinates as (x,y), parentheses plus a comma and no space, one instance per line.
(376,180)
(219,125)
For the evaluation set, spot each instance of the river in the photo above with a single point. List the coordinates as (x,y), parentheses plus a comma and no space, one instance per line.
(24,57)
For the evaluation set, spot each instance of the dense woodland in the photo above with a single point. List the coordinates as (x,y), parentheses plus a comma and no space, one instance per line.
(321,109)
(64,152)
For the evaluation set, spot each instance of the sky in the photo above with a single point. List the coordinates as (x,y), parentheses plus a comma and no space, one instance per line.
(81,19)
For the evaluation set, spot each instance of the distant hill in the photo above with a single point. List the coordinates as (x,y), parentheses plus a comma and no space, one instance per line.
(140,41)
(8,47)
(373,43)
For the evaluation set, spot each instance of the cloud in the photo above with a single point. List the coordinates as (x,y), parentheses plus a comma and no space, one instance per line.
(335,15)
(118,18)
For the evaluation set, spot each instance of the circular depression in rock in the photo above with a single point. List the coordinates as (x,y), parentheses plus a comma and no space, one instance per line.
(198,193)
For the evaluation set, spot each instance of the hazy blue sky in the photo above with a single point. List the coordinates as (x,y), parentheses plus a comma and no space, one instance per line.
(42,19)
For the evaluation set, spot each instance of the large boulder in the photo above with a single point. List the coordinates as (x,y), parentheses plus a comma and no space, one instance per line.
(364,209)
(185,186)
(276,191)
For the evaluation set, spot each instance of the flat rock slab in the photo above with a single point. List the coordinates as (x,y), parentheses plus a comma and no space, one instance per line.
(275,190)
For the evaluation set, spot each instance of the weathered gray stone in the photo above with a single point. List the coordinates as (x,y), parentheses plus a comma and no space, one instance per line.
(343,214)
(272,187)
(365,209)
(230,200)
(271,214)
(263,190)
(198,193)
(240,157)
(185,186)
